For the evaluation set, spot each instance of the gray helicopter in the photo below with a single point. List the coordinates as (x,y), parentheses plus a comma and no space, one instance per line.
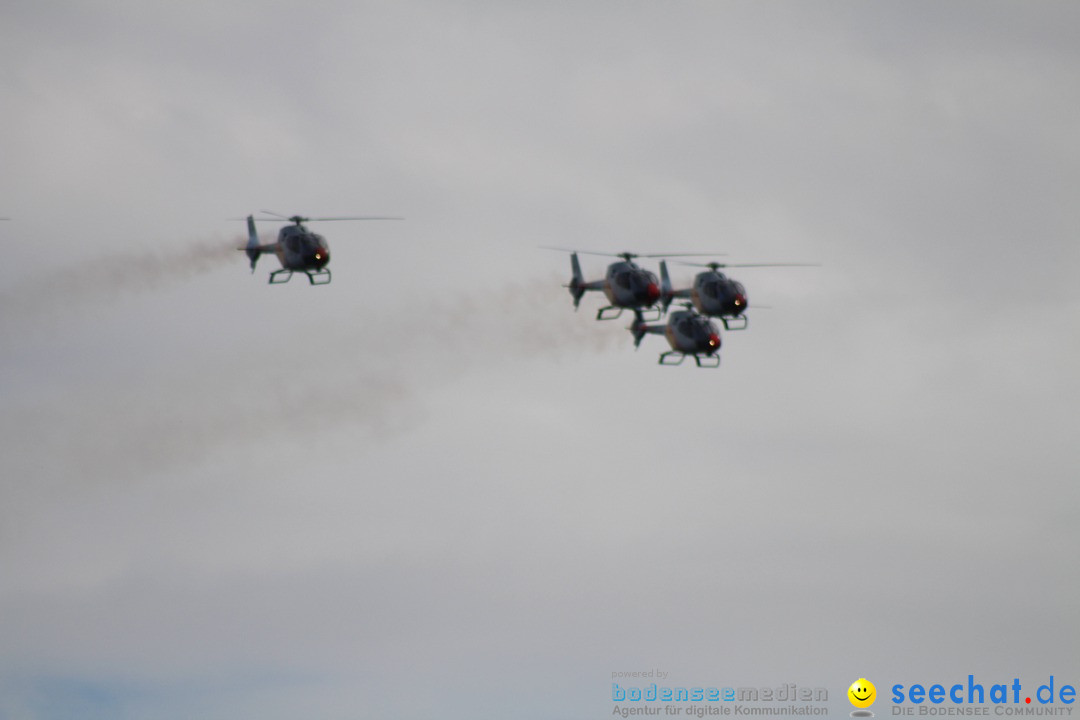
(715,294)
(626,285)
(297,248)
(687,332)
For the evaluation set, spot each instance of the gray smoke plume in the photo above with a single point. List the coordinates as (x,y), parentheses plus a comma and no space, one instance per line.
(372,377)
(106,277)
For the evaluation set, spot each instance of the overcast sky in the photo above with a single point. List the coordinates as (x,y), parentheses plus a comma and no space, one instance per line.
(430,489)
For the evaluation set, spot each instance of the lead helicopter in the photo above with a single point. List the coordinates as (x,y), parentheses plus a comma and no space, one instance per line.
(715,294)
(626,285)
(297,248)
(688,333)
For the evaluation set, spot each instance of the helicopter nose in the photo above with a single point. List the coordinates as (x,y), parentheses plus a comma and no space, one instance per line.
(714,343)
(652,292)
(740,303)
(320,257)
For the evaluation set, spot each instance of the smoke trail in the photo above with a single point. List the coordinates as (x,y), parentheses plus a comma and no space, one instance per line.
(106,277)
(532,318)
(372,377)
(115,435)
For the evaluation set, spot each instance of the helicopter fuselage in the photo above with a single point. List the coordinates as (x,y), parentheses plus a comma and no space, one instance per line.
(716,295)
(689,334)
(627,285)
(692,334)
(297,249)
(300,249)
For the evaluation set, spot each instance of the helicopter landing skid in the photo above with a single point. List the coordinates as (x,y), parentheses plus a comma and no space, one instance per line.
(710,361)
(647,314)
(274,276)
(729,323)
(284,275)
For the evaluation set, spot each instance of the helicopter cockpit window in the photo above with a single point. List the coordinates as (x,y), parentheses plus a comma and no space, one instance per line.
(712,290)
(623,280)
(293,243)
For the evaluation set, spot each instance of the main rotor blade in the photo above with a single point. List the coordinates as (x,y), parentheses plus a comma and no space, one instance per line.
(580,252)
(358,217)
(277,215)
(727,265)
(696,254)
(295,218)
(636,255)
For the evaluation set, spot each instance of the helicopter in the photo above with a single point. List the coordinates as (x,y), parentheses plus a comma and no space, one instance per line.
(715,294)
(626,285)
(297,248)
(688,333)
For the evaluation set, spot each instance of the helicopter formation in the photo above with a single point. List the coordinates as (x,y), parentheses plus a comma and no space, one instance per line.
(690,332)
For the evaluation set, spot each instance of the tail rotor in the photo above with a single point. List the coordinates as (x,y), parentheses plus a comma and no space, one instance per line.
(252,250)
(667,292)
(638,328)
(577,280)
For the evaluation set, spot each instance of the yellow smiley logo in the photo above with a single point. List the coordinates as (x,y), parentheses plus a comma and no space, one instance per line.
(862,693)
